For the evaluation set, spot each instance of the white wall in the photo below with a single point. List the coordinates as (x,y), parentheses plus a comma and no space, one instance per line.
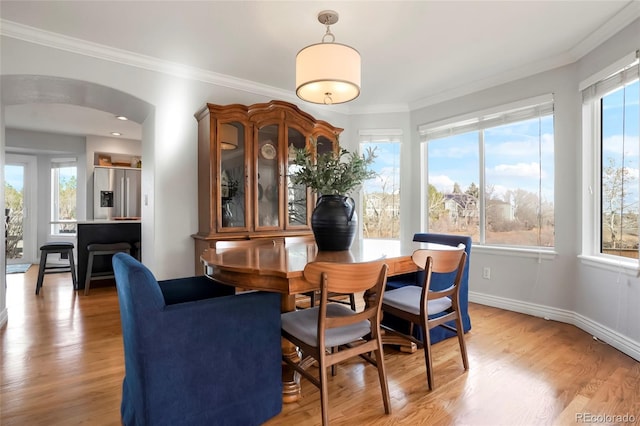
(601,302)
(608,298)
(537,282)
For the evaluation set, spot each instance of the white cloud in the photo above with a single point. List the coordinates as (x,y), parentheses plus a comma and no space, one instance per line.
(614,144)
(442,183)
(529,170)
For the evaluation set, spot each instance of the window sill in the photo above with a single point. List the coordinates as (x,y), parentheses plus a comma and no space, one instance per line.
(531,253)
(629,267)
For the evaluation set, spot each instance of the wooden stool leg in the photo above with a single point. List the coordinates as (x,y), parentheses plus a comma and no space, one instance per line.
(87,281)
(43,263)
(72,265)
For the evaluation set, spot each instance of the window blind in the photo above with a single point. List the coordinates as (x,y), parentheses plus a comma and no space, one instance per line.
(623,76)
(534,108)
(380,135)
(58,163)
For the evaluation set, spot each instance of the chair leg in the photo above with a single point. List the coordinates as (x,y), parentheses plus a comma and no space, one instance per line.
(43,263)
(72,265)
(87,281)
(334,367)
(382,375)
(463,346)
(426,342)
(324,392)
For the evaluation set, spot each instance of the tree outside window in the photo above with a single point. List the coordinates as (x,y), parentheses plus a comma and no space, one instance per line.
(381,195)
(64,183)
(619,118)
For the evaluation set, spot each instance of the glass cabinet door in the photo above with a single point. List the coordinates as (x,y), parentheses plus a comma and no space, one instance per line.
(268,177)
(297,201)
(232,197)
(324,144)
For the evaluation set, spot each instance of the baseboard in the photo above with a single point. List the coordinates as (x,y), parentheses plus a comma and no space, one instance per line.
(597,330)
(4,317)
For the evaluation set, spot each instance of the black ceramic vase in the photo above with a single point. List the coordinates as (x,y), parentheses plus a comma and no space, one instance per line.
(334,222)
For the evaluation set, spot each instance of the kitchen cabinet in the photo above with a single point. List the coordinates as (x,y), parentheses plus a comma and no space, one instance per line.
(244,159)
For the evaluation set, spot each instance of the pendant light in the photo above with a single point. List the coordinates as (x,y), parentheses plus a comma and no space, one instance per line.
(328,72)
(228,136)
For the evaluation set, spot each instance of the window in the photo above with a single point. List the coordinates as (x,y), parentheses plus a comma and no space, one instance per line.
(64,182)
(14,201)
(490,175)
(381,195)
(610,117)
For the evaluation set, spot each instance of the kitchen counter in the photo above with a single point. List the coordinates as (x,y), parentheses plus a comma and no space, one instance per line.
(103,221)
(104,232)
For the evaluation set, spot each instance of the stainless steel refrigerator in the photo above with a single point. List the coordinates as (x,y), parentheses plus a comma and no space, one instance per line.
(116,193)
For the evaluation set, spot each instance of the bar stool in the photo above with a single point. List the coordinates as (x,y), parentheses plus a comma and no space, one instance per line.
(97,249)
(61,248)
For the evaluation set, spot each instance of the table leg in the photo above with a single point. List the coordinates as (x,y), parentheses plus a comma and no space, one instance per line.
(290,379)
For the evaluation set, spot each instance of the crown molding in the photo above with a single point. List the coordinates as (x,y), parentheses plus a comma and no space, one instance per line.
(379,109)
(627,15)
(99,51)
(514,74)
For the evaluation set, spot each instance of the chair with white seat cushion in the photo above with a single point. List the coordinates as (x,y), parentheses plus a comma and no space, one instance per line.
(320,329)
(431,308)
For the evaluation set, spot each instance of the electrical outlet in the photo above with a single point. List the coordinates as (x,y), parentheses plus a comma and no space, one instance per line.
(486,273)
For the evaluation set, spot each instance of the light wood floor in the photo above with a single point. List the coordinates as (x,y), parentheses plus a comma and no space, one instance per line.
(62,364)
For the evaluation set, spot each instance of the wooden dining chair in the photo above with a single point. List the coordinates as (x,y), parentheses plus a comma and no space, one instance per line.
(313,295)
(427,308)
(320,329)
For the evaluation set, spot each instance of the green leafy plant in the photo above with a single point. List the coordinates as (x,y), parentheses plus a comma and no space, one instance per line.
(332,173)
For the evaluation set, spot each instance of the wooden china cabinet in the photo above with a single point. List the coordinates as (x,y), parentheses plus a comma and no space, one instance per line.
(244,159)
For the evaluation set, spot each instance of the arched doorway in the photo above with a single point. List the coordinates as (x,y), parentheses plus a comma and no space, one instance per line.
(39,89)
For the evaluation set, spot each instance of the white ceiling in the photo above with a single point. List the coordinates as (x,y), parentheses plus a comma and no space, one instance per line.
(414,53)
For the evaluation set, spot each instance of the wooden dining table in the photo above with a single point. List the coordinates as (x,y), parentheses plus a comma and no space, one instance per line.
(273,265)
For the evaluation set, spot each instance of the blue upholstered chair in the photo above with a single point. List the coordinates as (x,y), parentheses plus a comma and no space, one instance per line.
(438,282)
(195,354)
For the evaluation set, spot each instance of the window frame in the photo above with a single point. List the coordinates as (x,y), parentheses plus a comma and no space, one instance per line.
(479,121)
(54,221)
(394,136)
(592,94)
